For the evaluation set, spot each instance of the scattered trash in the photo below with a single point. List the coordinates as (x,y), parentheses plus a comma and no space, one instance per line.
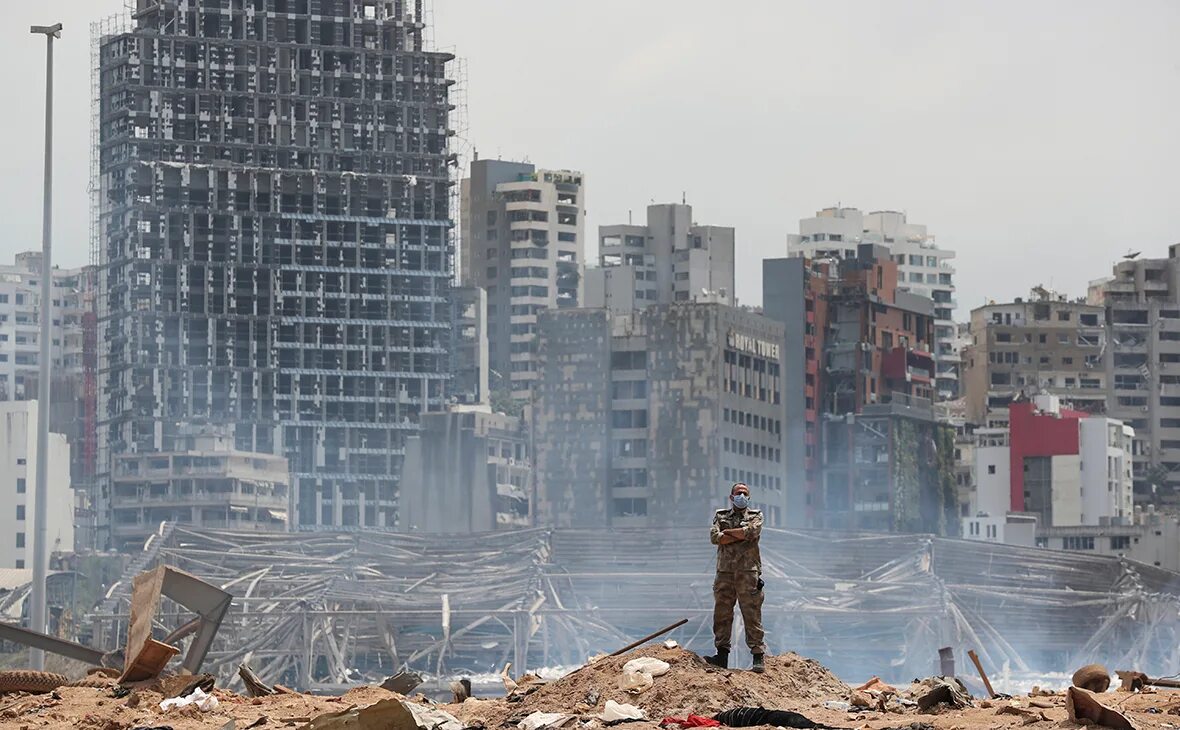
(204,702)
(460,691)
(620,712)
(876,685)
(509,683)
(638,674)
(1083,706)
(255,686)
(635,682)
(1029,716)
(539,720)
(945,691)
(837,705)
(690,721)
(404,682)
(647,665)
(753,716)
(182,685)
(671,644)
(1093,677)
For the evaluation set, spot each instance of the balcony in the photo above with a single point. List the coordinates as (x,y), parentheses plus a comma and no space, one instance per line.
(912,366)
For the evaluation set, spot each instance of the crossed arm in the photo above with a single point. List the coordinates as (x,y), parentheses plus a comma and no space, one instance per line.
(718,536)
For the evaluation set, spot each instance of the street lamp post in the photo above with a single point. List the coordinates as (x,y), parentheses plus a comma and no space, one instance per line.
(45,312)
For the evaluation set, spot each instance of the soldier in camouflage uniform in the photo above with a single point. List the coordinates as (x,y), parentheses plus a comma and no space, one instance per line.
(739,576)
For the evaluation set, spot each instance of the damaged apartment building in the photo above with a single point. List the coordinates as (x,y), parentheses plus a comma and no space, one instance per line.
(860,362)
(273,195)
(646,418)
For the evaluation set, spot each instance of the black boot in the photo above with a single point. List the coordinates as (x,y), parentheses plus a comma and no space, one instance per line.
(720,659)
(758,667)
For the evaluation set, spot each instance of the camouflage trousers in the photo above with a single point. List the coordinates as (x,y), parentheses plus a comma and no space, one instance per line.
(739,587)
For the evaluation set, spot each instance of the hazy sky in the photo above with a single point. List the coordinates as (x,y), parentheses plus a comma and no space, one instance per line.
(1038,140)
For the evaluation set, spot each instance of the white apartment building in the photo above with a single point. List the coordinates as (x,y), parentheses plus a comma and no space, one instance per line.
(670,259)
(923,269)
(523,242)
(20,335)
(18,479)
(1065,467)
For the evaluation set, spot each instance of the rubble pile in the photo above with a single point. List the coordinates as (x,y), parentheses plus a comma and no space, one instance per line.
(689,687)
(799,693)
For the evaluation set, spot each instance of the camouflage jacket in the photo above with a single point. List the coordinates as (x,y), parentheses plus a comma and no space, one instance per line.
(742,555)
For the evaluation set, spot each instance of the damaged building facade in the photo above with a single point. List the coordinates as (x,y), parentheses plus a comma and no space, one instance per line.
(273,193)
(1045,344)
(467,470)
(204,482)
(873,455)
(647,418)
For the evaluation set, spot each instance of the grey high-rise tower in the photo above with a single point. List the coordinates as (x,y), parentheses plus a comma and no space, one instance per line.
(275,239)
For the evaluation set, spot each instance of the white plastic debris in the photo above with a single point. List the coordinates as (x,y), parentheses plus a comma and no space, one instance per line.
(615,711)
(539,720)
(635,682)
(638,674)
(204,702)
(670,644)
(647,665)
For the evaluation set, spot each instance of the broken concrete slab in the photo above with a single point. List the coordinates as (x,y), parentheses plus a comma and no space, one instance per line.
(1083,707)
(390,714)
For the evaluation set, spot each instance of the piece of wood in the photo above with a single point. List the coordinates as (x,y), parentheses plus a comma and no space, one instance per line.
(649,637)
(991,693)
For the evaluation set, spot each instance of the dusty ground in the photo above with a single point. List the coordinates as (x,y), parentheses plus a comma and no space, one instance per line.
(790,683)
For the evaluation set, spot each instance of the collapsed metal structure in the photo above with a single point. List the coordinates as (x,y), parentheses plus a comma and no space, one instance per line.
(321,610)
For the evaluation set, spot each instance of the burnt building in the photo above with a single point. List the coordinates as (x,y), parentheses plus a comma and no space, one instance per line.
(647,418)
(859,351)
(274,238)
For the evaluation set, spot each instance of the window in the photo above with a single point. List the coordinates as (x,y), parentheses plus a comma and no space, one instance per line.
(20,539)
(1120,542)
(20,564)
(630,507)
(991,468)
(1079,543)
(20,462)
(629,419)
(20,485)
(623,389)
(628,360)
(20,513)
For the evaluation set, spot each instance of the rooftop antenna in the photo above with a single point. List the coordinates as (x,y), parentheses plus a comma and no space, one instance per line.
(628,217)
(683,198)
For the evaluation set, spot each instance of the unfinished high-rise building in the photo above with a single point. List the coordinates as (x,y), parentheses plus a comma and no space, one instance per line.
(273,190)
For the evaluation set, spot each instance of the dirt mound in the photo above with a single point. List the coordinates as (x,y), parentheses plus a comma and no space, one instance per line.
(690,685)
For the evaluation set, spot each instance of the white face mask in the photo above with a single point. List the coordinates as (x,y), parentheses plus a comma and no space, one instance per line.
(741,501)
